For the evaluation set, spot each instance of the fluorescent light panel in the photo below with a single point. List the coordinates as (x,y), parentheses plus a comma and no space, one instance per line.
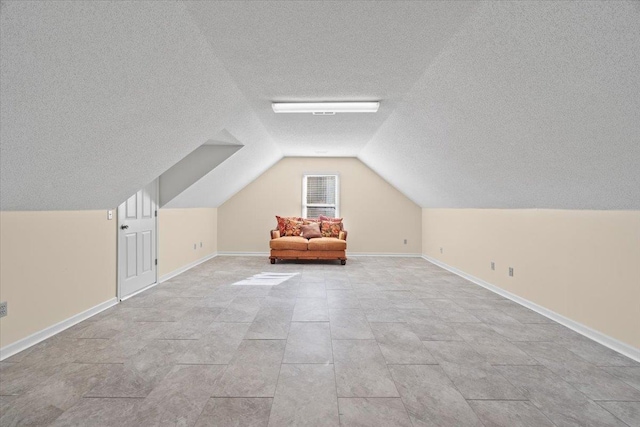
(325,107)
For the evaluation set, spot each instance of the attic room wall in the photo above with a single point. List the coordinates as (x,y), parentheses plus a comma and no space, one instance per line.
(178,231)
(53,265)
(377,216)
(580,264)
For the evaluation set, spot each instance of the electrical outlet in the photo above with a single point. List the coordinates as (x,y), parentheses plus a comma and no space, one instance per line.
(3,309)
(200,244)
(493,265)
(441,250)
(109,215)
(405,241)
(511,271)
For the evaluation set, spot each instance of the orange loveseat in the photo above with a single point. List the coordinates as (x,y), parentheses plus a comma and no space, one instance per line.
(298,247)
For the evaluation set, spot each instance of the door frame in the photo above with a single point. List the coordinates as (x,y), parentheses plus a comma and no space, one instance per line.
(118,248)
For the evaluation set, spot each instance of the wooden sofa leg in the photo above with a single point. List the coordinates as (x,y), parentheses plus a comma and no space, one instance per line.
(273,260)
(343,261)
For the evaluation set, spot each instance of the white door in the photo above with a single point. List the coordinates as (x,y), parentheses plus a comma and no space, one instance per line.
(137,241)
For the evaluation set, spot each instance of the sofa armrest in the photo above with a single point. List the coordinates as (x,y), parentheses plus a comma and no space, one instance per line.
(343,235)
(275,234)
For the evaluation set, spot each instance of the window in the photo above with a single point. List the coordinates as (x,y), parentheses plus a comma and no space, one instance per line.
(319,196)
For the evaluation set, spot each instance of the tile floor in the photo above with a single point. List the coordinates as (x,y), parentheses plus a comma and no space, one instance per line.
(378,342)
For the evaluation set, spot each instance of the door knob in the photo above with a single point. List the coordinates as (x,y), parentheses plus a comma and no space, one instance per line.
(124,227)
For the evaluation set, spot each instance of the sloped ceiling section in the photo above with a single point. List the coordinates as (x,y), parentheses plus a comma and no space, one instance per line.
(100,98)
(257,155)
(530,105)
(192,168)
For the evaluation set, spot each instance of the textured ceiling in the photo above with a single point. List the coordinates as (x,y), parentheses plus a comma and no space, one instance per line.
(326,51)
(493,104)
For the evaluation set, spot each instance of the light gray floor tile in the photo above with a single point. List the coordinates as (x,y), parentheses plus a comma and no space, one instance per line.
(349,323)
(241,309)
(235,412)
(271,323)
(216,347)
(253,371)
(18,378)
(142,372)
(385,315)
(181,396)
(533,331)
(373,412)
(470,372)
(596,353)
(312,290)
(102,412)
(559,401)
(361,370)
(628,374)
(431,398)
(342,299)
(629,412)
(435,331)
(400,346)
(502,413)
(308,342)
(450,312)
(594,382)
(492,345)
(492,316)
(50,398)
(458,352)
(306,395)
(420,316)
(311,310)
(522,314)
(332,283)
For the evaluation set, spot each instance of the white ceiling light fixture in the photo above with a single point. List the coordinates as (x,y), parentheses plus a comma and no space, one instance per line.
(325,108)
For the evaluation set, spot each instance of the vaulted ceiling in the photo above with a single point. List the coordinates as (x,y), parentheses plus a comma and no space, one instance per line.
(492,104)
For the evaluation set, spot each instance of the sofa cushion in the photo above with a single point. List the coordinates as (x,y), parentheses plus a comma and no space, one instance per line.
(327,244)
(295,243)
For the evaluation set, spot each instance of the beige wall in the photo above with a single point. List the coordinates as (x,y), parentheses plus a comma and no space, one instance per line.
(53,265)
(179,230)
(584,265)
(377,216)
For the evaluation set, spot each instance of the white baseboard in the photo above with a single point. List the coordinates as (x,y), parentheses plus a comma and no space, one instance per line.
(243,254)
(382,254)
(184,268)
(50,331)
(597,336)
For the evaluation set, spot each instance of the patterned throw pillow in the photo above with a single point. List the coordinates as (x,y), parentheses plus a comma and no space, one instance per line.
(282,223)
(311,231)
(331,228)
(326,218)
(292,226)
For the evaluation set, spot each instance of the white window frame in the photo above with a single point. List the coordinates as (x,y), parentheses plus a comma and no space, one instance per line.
(304,194)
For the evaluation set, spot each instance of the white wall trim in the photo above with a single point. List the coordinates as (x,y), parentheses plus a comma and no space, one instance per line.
(599,337)
(33,339)
(383,254)
(243,254)
(184,268)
